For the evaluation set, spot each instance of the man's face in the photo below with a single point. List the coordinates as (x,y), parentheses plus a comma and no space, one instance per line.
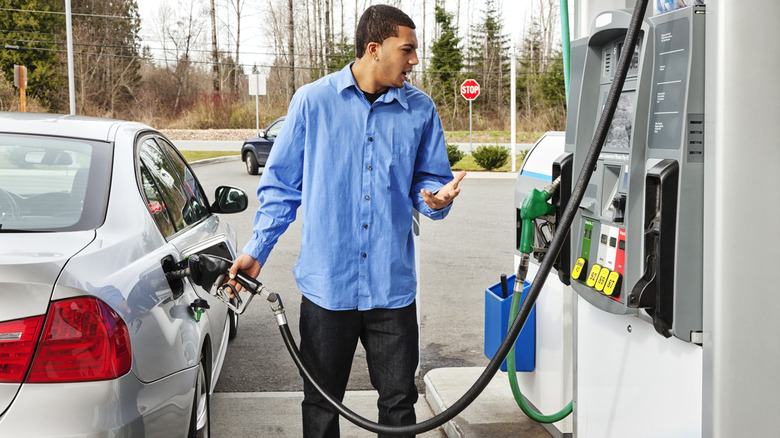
(397,56)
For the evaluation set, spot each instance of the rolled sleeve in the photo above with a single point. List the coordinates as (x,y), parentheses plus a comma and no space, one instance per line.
(432,167)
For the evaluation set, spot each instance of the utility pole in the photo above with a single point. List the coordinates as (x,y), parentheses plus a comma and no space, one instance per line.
(71,77)
(513,102)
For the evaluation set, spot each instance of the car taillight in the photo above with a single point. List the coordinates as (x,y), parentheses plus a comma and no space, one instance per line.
(83,339)
(17,345)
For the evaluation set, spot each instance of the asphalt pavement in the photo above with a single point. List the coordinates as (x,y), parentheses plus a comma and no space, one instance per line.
(460,256)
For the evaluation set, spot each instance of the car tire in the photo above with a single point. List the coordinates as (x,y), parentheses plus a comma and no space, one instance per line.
(251,163)
(200,424)
(233,317)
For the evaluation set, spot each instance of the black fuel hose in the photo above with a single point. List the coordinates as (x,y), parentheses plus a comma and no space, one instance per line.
(632,36)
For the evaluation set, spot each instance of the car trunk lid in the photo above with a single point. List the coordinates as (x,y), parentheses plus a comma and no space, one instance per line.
(29,266)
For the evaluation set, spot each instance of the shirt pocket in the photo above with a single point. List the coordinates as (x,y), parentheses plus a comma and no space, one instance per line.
(405,140)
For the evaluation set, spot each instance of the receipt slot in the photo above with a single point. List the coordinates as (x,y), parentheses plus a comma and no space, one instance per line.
(635,246)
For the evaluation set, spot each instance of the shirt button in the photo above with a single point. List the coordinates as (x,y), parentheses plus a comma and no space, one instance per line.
(368,198)
(365,226)
(365,255)
(372,110)
(368,167)
(370,138)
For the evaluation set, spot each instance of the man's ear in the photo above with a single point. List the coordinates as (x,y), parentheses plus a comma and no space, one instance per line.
(373,49)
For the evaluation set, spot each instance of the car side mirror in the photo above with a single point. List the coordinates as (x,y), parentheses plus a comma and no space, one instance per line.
(229,200)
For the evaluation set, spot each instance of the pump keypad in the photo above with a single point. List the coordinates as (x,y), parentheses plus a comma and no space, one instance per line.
(606,276)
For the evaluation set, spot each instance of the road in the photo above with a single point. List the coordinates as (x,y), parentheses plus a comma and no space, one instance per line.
(460,257)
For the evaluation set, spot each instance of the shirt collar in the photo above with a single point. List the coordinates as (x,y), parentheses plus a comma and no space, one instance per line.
(344,79)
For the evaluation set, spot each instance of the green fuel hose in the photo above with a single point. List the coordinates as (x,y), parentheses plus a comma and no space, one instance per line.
(534,206)
(512,374)
(566,45)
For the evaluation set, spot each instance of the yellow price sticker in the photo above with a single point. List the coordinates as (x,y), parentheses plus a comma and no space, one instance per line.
(578,267)
(612,288)
(602,280)
(594,275)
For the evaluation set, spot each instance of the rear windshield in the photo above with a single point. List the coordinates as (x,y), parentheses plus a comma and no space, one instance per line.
(52,184)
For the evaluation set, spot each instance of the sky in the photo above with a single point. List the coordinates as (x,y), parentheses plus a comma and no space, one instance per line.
(255,45)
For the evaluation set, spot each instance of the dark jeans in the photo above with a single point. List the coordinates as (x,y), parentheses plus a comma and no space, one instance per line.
(328,342)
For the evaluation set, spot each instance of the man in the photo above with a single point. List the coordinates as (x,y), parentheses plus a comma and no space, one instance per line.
(359,149)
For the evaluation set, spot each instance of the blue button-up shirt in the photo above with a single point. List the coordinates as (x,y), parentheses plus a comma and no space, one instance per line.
(357,170)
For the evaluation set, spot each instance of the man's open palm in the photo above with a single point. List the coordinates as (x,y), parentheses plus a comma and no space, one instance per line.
(445,195)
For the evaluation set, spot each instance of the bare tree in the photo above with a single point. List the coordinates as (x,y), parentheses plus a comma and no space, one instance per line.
(238,6)
(328,40)
(214,48)
(180,29)
(291,49)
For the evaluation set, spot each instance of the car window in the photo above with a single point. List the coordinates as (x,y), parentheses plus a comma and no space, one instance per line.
(52,183)
(156,203)
(274,129)
(164,176)
(197,203)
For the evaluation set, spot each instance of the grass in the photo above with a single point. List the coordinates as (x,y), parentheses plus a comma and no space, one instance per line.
(191,156)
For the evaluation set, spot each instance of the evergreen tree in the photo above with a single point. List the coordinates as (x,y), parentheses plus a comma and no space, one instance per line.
(552,84)
(541,81)
(446,56)
(488,59)
(343,53)
(35,34)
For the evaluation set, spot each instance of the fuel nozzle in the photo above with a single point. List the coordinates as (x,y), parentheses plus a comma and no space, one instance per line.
(209,272)
(535,205)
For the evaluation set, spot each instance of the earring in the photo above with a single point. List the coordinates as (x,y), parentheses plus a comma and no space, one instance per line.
(376,58)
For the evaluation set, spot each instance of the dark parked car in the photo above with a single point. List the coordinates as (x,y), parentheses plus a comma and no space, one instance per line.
(95,339)
(255,151)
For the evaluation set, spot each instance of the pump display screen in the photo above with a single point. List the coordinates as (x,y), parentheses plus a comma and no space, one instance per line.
(632,68)
(619,135)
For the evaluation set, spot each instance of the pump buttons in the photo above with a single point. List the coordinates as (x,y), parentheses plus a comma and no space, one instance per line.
(600,278)
(594,275)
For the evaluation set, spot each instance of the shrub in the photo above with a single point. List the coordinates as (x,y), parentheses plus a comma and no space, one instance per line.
(454,154)
(490,157)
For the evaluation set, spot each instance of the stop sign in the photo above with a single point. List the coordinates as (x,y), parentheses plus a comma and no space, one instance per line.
(469,89)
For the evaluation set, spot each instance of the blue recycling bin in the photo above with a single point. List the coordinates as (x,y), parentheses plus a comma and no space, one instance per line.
(496,322)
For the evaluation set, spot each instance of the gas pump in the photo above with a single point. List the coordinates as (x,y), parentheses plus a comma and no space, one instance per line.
(637,237)
(636,240)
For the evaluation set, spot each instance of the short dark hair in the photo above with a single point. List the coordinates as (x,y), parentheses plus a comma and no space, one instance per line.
(378,23)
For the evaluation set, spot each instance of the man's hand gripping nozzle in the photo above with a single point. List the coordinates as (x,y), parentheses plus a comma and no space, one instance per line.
(209,272)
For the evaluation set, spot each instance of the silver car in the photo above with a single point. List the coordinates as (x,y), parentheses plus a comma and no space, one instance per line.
(95,340)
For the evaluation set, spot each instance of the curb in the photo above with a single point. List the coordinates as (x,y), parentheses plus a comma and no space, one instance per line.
(215,160)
